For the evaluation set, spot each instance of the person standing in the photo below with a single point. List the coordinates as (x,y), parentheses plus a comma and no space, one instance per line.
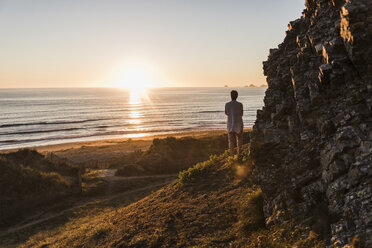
(234,112)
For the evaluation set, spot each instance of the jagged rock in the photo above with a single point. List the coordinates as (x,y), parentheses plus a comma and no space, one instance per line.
(312,141)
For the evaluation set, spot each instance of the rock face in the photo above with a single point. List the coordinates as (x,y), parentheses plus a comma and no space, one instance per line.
(312,141)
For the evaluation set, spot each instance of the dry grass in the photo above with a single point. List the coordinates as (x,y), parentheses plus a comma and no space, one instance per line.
(211,205)
(216,203)
(28,182)
(170,155)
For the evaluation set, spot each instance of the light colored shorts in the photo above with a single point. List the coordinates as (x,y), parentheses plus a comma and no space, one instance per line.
(235,139)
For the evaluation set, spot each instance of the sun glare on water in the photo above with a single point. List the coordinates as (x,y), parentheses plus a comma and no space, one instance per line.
(136,78)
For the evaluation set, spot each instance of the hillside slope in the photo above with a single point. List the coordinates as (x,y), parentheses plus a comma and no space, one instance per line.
(213,204)
(29,182)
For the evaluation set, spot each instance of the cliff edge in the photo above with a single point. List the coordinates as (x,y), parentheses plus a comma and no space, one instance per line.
(312,141)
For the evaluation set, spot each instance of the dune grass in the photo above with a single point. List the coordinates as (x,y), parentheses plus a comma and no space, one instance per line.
(28,181)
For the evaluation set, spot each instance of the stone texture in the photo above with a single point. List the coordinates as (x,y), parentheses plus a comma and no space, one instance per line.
(312,141)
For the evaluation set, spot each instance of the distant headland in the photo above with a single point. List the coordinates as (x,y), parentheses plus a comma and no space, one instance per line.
(250,86)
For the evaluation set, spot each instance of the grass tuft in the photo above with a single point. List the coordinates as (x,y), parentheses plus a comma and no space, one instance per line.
(200,170)
(251,216)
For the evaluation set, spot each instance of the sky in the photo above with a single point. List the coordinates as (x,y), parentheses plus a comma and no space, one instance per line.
(100,43)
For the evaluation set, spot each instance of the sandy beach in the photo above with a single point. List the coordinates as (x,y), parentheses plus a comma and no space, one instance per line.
(105,151)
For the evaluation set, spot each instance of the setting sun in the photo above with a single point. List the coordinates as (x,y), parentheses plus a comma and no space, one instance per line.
(135,77)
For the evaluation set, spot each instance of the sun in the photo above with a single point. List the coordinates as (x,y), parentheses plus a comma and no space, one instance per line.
(135,77)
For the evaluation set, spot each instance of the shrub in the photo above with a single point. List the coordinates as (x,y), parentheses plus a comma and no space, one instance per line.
(251,216)
(199,170)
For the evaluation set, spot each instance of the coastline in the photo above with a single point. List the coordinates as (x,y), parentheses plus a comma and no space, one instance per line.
(113,141)
(84,115)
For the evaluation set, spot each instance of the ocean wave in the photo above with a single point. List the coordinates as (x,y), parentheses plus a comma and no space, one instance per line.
(209,111)
(99,134)
(49,123)
(41,131)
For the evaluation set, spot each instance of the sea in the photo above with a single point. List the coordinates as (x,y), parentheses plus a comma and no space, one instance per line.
(35,117)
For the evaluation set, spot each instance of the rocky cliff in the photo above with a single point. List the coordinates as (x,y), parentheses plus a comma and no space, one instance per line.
(312,141)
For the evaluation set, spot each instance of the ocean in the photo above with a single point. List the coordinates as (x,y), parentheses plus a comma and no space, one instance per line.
(34,117)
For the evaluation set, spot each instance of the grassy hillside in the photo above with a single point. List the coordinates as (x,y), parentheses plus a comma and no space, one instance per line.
(172,155)
(214,204)
(28,181)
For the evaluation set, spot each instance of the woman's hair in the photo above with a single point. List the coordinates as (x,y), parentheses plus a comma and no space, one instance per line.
(234,94)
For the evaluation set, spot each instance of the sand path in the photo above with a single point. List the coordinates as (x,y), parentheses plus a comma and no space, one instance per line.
(109,176)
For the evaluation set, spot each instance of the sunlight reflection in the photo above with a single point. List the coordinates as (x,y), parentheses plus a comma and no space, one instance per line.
(138,99)
(134,98)
(134,102)
(136,135)
(134,117)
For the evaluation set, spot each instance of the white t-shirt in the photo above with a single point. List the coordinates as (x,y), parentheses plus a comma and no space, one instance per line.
(234,112)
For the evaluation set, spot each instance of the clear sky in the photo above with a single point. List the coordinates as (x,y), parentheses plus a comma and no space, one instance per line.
(92,43)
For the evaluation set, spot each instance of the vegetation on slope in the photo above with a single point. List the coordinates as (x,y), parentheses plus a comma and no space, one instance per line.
(29,181)
(214,204)
(171,155)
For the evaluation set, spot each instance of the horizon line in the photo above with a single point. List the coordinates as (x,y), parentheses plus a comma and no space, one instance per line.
(107,87)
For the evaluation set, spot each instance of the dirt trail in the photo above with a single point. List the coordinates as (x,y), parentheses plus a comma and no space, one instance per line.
(107,175)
